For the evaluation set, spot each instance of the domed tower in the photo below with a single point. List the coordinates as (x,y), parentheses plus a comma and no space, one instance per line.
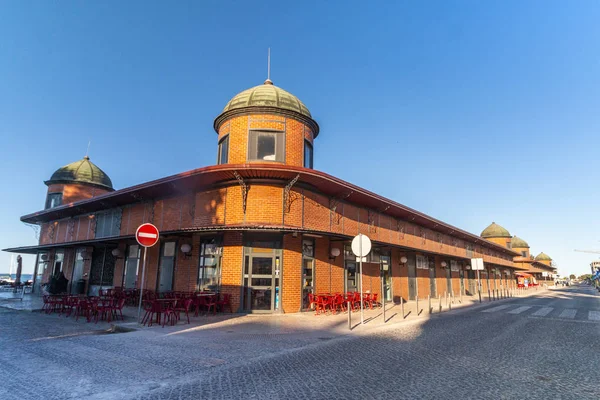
(497,234)
(76,181)
(520,246)
(544,259)
(266,124)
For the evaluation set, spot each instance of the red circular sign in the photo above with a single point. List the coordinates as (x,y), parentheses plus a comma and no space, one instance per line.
(147,235)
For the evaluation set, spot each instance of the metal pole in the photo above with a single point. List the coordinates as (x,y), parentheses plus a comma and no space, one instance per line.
(362,308)
(417,298)
(440,301)
(142,285)
(382,296)
(478,286)
(402,307)
(349,316)
(429,309)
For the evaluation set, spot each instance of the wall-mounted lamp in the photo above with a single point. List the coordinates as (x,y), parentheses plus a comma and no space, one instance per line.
(403,260)
(44,257)
(444,264)
(186,249)
(86,255)
(117,254)
(333,253)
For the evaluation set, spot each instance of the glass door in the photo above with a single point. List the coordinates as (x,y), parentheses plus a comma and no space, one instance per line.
(308,272)
(132,264)
(260,282)
(166,267)
(386,274)
(432,283)
(77,270)
(462,280)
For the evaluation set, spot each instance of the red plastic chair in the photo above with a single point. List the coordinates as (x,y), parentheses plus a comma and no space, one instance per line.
(117,308)
(184,308)
(224,302)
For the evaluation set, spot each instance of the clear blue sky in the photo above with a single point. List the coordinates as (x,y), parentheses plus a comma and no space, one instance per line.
(469,111)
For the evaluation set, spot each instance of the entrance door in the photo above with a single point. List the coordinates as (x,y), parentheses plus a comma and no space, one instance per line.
(449,281)
(432,285)
(472,282)
(131,267)
(352,277)
(166,267)
(308,269)
(386,274)
(77,270)
(260,293)
(412,279)
(461,273)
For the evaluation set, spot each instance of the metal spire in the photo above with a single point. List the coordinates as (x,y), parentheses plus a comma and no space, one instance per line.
(269,81)
(87,153)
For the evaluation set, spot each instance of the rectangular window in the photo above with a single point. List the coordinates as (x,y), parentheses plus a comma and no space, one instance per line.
(108,223)
(53,200)
(524,253)
(308,155)
(223,150)
(266,146)
(209,268)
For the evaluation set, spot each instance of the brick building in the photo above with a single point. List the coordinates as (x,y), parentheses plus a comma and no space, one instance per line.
(540,267)
(261,224)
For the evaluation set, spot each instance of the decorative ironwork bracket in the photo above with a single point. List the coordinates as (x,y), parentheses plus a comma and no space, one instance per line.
(335,201)
(36,229)
(288,196)
(244,188)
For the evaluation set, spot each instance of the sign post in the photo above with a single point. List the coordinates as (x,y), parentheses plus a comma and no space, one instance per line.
(361,247)
(477,264)
(147,236)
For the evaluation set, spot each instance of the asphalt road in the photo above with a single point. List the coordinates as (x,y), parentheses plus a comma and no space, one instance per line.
(541,347)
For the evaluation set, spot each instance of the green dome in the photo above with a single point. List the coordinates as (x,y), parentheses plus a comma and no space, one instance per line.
(495,231)
(518,243)
(83,171)
(543,257)
(266,98)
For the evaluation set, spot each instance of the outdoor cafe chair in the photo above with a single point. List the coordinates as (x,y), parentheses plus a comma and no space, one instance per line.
(224,302)
(117,308)
(183,308)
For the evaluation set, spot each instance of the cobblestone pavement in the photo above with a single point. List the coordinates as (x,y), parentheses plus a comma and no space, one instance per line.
(532,347)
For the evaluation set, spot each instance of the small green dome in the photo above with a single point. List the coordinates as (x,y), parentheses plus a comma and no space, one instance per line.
(83,171)
(266,98)
(495,231)
(543,257)
(518,243)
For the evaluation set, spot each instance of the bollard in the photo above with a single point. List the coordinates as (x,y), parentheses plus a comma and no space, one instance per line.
(417,298)
(349,317)
(440,301)
(429,309)
(489,295)
(402,307)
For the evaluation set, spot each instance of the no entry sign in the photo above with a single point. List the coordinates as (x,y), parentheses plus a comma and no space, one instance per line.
(147,235)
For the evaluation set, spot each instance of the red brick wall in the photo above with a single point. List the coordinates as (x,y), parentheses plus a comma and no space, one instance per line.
(73,192)
(231,267)
(237,129)
(291,288)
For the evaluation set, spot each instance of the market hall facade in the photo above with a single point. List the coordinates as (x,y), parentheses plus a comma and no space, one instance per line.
(261,224)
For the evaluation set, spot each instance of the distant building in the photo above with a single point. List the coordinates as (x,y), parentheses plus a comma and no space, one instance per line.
(540,267)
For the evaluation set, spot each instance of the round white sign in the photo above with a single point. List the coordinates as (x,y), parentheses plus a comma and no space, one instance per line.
(361,245)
